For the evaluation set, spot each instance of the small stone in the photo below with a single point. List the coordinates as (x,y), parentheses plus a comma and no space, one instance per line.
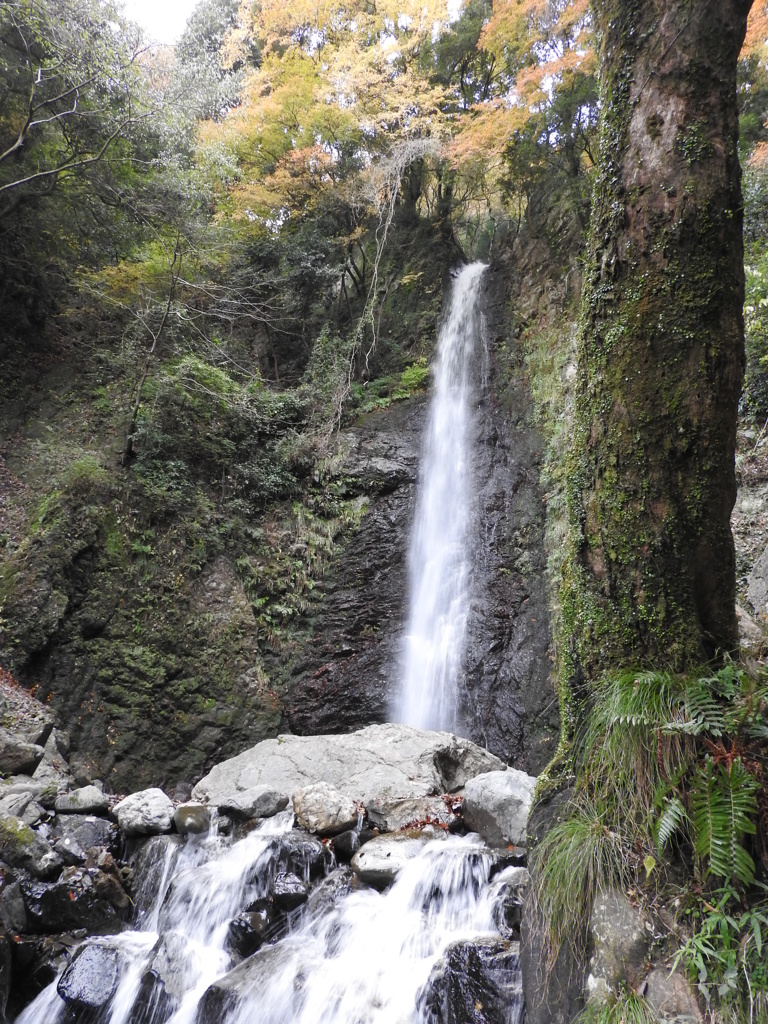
(148,812)
(87,800)
(192,817)
(250,930)
(322,809)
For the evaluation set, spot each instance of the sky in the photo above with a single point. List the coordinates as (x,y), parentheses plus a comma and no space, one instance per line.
(163,20)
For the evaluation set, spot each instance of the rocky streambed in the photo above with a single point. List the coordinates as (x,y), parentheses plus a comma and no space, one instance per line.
(370,874)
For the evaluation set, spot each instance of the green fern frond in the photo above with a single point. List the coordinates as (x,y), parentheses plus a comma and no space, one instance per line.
(670,820)
(723,805)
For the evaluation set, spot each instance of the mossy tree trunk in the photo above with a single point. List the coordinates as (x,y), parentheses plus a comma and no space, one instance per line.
(651,579)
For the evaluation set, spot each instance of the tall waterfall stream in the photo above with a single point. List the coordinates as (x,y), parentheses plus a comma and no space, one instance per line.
(440,553)
(350,954)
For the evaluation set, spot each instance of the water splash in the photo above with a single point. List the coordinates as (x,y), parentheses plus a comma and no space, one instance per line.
(440,554)
(367,957)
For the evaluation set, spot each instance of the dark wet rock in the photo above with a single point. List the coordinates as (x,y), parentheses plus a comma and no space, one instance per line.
(152,1005)
(77,900)
(553,992)
(6,968)
(17,756)
(327,894)
(476,982)
(341,679)
(36,962)
(86,831)
(149,863)
(91,977)
(70,851)
(346,844)
(192,817)
(244,981)
(13,913)
(288,891)
(303,855)
(509,901)
(251,929)
(21,847)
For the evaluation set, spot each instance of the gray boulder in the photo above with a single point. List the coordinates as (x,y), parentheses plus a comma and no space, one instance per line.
(391,815)
(672,998)
(88,800)
(497,805)
(17,756)
(620,941)
(148,812)
(379,862)
(323,809)
(377,763)
(20,847)
(255,802)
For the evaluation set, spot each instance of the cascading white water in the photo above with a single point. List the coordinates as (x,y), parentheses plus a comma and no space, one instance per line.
(440,552)
(366,958)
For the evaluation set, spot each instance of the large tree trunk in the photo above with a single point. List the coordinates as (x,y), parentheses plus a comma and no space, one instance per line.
(661,355)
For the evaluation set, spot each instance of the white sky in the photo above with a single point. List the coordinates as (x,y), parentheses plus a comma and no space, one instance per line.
(163,20)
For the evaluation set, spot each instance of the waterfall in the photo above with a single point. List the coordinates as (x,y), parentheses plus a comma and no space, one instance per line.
(440,552)
(350,954)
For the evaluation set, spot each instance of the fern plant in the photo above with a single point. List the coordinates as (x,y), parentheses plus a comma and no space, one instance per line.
(723,808)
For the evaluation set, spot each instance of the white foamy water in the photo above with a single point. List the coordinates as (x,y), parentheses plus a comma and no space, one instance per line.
(366,959)
(440,551)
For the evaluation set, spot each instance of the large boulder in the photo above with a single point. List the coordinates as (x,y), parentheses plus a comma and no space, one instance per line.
(87,800)
(379,862)
(76,901)
(323,809)
(20,847)
(497,805)
(17,756)
(148,812)
(620,942)
(381,762)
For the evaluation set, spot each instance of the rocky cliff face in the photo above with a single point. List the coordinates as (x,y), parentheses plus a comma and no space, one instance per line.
(169,623)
